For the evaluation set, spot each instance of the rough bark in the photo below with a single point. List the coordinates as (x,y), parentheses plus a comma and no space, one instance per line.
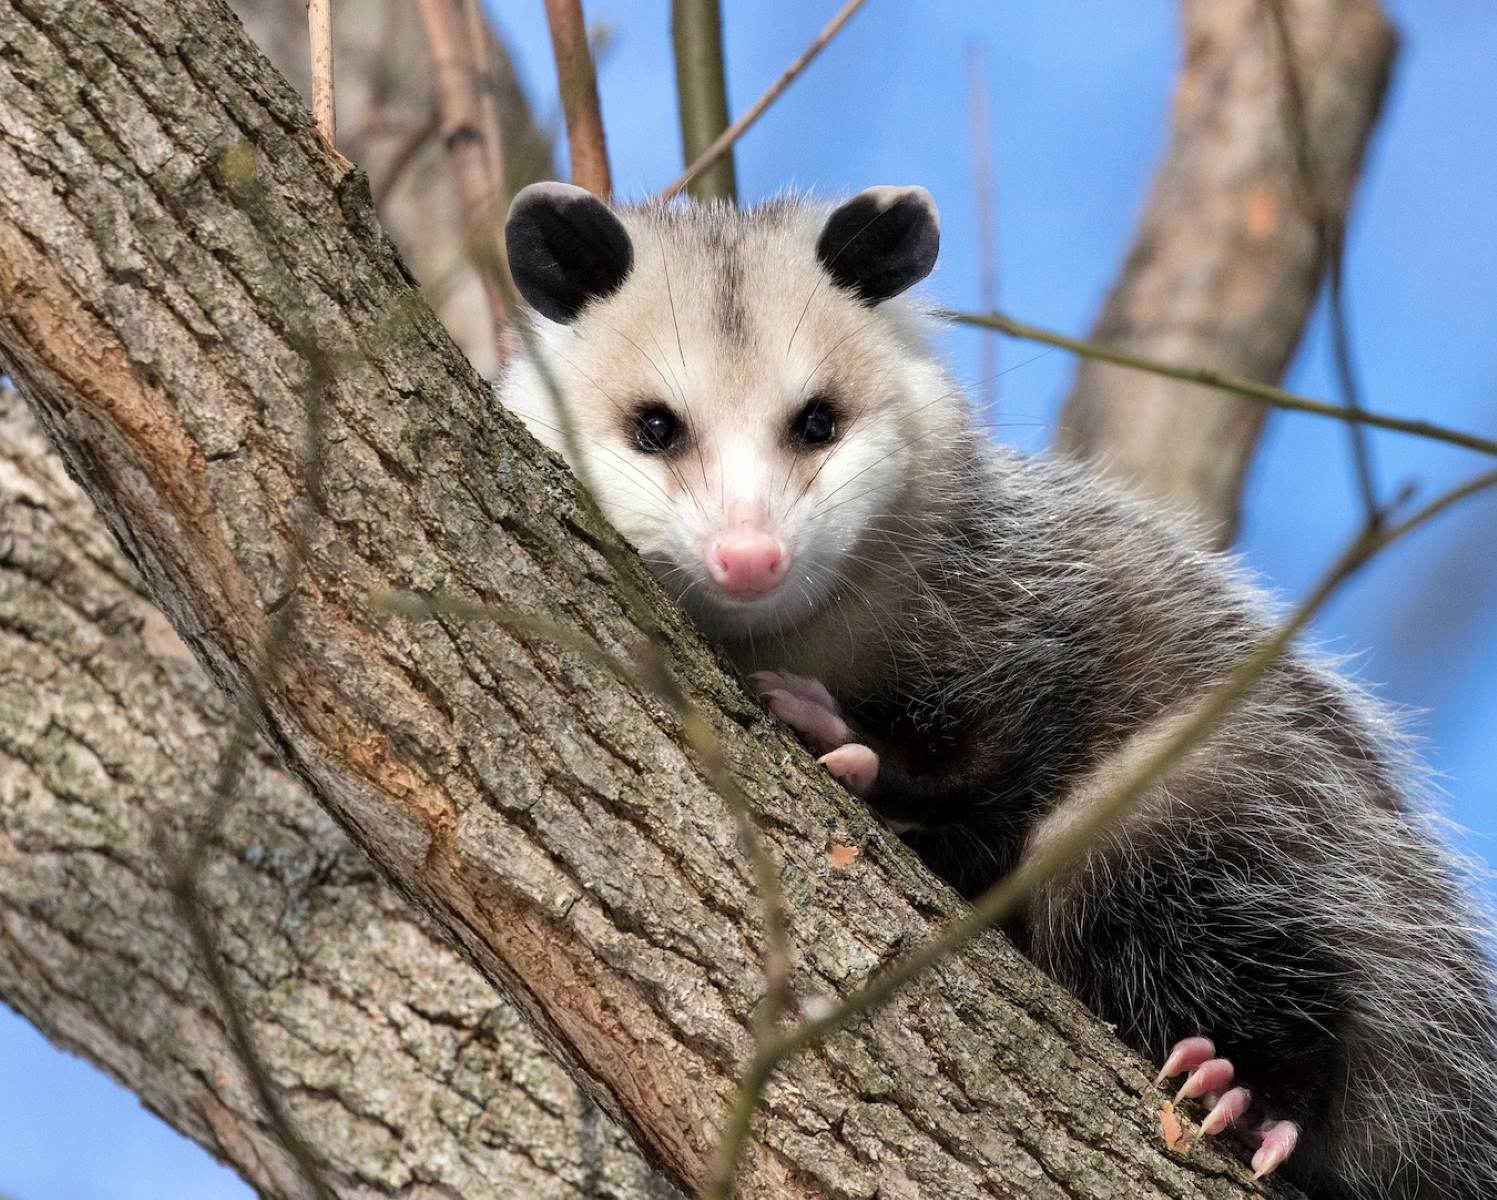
(385,124)
(1225,266)
(396,1058)
(173,241)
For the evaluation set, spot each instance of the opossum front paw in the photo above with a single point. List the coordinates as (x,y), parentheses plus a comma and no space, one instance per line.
(1210,1078)
(804,705)
(810,710)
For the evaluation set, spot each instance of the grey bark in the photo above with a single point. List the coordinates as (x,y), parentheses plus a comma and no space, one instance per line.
(1226,264)
(173,241)
(411,1076)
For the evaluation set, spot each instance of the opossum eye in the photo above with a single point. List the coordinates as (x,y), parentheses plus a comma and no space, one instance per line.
(656,429)
(814,425)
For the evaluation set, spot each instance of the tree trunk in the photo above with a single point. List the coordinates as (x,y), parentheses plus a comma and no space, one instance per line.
(180,264)
(397,1059)
(1226,264)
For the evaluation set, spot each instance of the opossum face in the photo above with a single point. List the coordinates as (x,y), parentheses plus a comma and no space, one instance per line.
(740,389)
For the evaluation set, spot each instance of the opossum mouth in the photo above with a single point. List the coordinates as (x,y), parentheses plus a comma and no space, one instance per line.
(722,613)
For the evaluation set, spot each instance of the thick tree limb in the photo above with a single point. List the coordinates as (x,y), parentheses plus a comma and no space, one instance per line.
(1227,263)
(398,1062)
(172,233)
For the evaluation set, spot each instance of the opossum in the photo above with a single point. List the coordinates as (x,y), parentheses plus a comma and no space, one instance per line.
(978,642)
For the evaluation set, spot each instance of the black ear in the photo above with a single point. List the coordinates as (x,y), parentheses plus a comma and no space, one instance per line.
(565,248)
(881,241)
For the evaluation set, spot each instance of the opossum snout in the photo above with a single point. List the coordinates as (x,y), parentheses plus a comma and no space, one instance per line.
(746,561)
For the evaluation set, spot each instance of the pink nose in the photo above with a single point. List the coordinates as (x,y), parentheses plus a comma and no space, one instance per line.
(747,561)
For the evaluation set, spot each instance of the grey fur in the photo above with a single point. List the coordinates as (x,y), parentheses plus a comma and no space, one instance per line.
(1282,891)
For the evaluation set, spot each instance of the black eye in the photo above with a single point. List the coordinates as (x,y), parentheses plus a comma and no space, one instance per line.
(656,429)
(814,425)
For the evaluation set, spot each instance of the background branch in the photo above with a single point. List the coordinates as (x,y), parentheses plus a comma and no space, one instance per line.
(320,29)
(578,81)
(1262,394)
(1226,264)
(471,134)
(1330,232)
(702,95)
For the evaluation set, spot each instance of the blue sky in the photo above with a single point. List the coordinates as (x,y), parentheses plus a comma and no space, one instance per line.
(1079,97)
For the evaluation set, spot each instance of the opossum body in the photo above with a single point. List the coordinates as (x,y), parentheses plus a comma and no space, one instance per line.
(979,642)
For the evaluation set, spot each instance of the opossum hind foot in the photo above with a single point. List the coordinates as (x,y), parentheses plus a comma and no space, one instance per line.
(1210,1079)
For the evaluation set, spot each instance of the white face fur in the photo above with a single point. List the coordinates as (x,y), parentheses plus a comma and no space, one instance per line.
(747,415)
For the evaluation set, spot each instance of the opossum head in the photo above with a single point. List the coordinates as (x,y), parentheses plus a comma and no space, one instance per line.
(746,392)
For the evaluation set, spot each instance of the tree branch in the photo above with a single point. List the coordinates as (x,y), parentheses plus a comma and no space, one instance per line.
(578,81)
(1226,264)
(471,135)
(395,1059)
(702,94)
(1263,394)
(729,136)
(553,820)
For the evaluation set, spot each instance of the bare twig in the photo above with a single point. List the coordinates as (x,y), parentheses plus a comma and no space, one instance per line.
(738,128)
(578,81)
(987,234)
(320,28)
(1251,389)
(1330,230)
(702,94)
(472,139)
(1000,901)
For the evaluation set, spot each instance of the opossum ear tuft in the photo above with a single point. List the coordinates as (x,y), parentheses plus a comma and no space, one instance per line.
(566,248)
(881,242)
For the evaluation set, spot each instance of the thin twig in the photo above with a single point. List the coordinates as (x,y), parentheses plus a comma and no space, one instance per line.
(320,30)
(1252,389)
(1000,901)
(1330,232)
(578,81)
(702,94)
(987,236)
(738,128)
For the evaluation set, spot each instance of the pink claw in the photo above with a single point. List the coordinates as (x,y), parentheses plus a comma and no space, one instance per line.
(854,765)
(1188,1054)
(1213,1075)
(1279,1140)
(1226,1110)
